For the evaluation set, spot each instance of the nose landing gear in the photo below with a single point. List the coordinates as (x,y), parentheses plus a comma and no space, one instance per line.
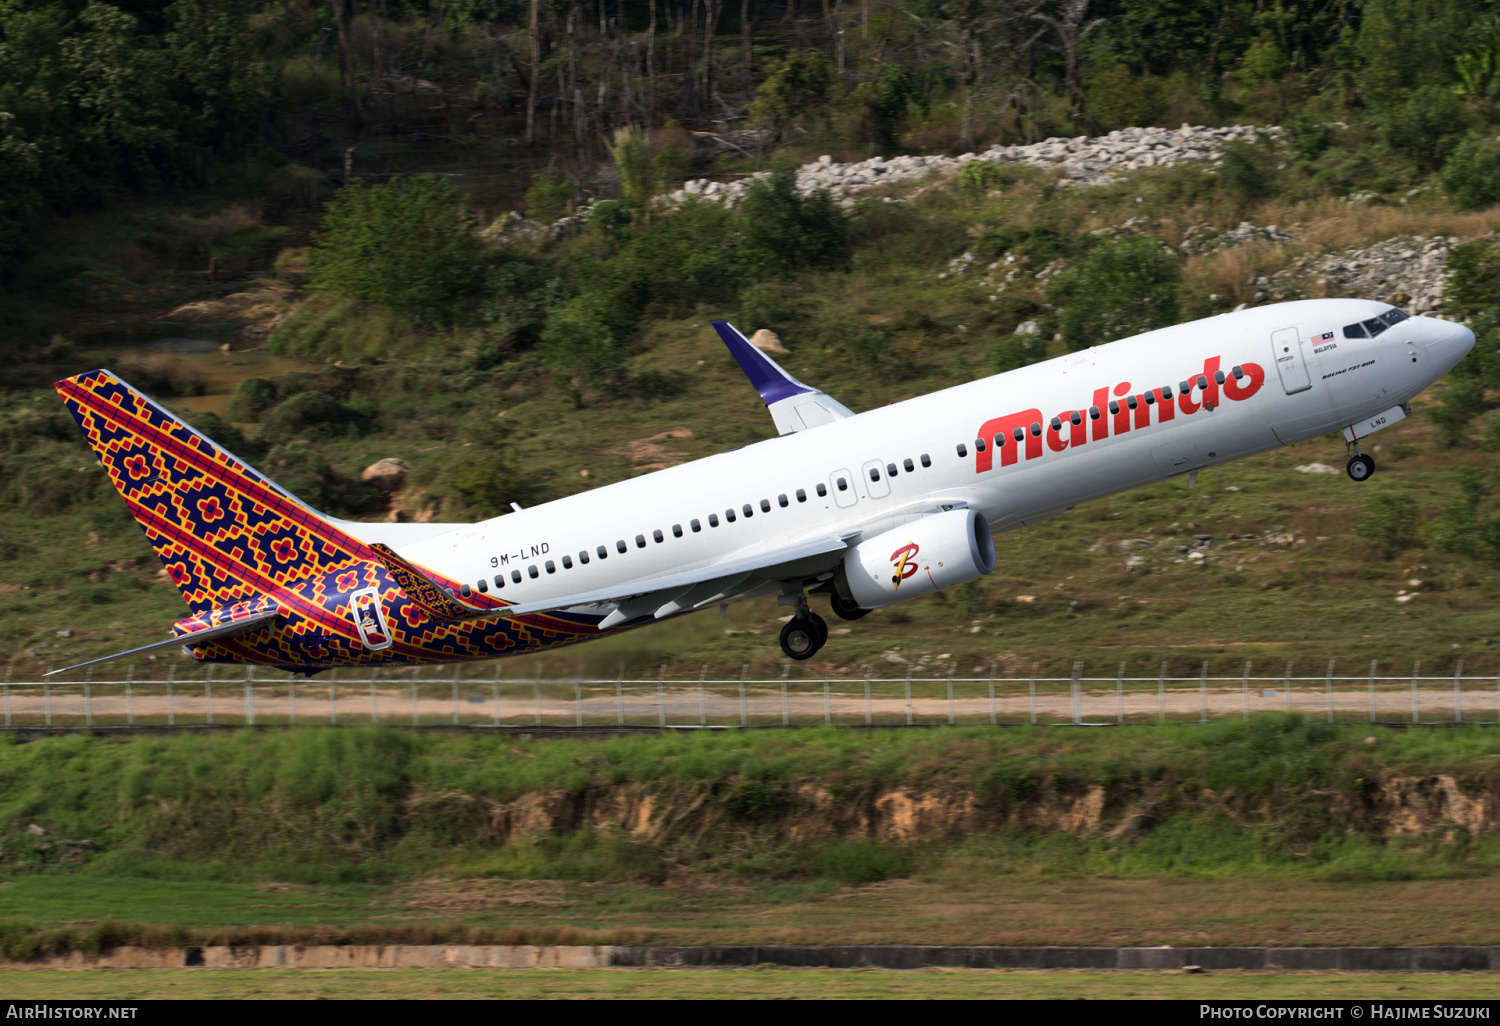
(1360,466)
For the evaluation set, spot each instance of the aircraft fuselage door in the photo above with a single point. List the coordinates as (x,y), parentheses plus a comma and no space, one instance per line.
(843,486)
(875,479)
(1291,360)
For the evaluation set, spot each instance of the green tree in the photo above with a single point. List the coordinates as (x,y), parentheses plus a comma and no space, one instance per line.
(630,151)
(408,246)
(1426,127)
(796,91)
(888,98)
(1120,289)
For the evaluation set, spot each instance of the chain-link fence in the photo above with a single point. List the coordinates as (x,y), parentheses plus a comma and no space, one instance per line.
(219,695)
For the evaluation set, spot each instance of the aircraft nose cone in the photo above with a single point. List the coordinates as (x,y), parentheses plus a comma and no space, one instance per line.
(1446,343)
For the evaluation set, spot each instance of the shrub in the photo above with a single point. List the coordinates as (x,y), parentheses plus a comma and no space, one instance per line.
(1247,172)
(1120,289)
(630,151)
(302,470)
(887,99)
(1389,523)
(580,348)
(787,230)
(1473,285)
(796,91)
(1012,351)
(408,246)
(548,198)
(161,374)
(310,415)
(1427,127)
(1471,178)
(977,177)
(1120,100)
(252,397)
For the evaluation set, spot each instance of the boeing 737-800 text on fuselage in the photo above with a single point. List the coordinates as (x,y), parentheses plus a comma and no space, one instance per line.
(869,509)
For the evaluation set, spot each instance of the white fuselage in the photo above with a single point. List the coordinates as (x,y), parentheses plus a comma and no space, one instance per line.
(1347,380)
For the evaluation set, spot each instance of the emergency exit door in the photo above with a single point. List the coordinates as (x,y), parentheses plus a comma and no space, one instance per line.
(1291,360)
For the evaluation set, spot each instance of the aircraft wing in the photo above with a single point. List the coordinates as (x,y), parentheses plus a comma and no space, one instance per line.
(662,596)
(793,405)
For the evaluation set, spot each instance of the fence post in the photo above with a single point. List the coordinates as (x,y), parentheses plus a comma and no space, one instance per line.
(1203,693)
(1245,691)
(702,698)
(457,672)
(171,672)
(1033,693)
(415,715)
(578,701)
(88,698)
(661,697)
(1286,686)
(291,700)
(867,697)
(333,708)
(1328,690)
(536,694)
(786,713)
(1373,664)
(950,700)
(249,699)
(495,684)
(1077,692)
(47,700)
(208,694)
(1416,668)
(908,699)
(7,694)
(1458,693)
(744,712)
(130,695)
(1161,693)
(620,697)
(1120,694)
(993,722)
(374,712)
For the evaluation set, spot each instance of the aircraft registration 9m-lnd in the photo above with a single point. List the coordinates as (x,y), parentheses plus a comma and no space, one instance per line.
(866,509)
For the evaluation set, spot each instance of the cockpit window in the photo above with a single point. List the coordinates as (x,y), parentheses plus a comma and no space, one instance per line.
(1375,325)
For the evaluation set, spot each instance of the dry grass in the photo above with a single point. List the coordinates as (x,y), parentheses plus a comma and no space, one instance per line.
(1230,271)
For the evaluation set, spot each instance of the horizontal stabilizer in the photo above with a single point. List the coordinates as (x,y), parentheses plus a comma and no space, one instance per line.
(793,405)
(227,630)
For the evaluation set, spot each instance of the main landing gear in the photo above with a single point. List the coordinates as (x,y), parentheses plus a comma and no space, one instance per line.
(803,635)
(1360,466)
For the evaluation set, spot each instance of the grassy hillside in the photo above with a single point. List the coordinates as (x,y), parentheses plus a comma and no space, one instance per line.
(1299,567)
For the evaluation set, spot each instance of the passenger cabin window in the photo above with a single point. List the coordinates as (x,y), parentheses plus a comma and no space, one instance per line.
(658,536)
(603,552)
(1076,418)
(729,516)
(551,566)
(583,556)
(1036,429)
(843,485)
(1056,423)
(640,541)
(620,546)
(676,530)
(781,500)
(1219,377)
(484,586)
(979,445)
(1202,382)
(567,562)
(466,590)
(713,520)
(908,465)
(963,450)
(747,510)
(1151,396)
(765,505)
(499,580)
(695,526)
(890,470)
(1166,391)
(531,571)
(926,460)
(822,489)
(801,495)
(1184,387)
(1238,372)
(1131,402)
(1114,406)
(1093,413)
(874,473)
(515,576)
(1020,434)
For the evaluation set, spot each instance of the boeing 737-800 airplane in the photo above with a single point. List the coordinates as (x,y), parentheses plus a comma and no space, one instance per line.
(869,509)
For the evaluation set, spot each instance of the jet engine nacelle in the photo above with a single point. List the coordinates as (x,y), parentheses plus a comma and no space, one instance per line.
(917,558)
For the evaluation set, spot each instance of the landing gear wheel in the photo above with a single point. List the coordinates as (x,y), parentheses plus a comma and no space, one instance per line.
(844,609)
(1360,468)
(803,635)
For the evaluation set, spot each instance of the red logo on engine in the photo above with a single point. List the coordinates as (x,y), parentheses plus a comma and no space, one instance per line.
(904,560)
